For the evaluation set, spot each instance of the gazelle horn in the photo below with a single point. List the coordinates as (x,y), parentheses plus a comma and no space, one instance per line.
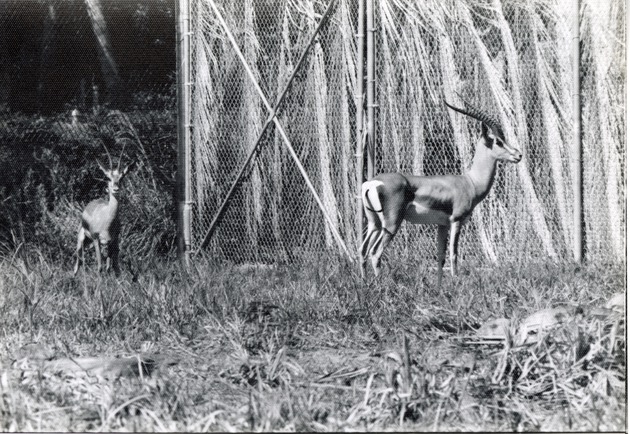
(480,115)
(121,155)
(109,157)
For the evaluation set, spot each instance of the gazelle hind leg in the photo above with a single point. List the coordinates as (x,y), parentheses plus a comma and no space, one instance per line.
(390,223)
(371,233)
(374,212)
(442,236)
(370,237)
(105,253)
(383,240)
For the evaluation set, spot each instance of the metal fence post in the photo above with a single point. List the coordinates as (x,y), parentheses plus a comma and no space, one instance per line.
(370,88)
(359,131)
(183,130)
(578,245)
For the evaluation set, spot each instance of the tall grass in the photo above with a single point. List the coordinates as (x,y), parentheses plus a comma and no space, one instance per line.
(308,348)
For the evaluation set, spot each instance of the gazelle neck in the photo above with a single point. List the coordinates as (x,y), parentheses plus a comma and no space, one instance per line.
(113,203)
(482,171)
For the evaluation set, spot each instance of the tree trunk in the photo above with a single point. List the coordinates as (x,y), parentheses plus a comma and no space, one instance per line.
(46,56)
(109,69)
(5,74)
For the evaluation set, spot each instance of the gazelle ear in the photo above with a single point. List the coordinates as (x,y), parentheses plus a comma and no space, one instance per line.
(488,134)
(100,165)
(128,168)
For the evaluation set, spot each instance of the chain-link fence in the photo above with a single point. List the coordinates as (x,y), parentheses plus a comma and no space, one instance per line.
(79,79)
(510,58)
(273,215)
(79,76)
(603,36)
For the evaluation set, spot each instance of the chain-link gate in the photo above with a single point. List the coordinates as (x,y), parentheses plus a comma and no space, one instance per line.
(511,58)
(295,198)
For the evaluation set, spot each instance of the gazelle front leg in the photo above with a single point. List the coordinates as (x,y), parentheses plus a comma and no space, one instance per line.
(79,250)
(108,256)
(97,250)
(113,256)
(456,227)
(442,235)
(105,240)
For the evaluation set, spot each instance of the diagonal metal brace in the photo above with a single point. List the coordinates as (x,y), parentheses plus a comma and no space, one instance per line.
(272,118)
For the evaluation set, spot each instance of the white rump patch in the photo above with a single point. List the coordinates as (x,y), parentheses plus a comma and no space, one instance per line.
(369,196)
(370,185)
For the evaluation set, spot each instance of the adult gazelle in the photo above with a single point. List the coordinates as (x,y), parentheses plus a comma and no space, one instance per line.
(100,221)
(443,200)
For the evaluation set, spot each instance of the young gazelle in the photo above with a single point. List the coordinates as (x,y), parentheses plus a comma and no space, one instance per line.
(443,200)
(100,222)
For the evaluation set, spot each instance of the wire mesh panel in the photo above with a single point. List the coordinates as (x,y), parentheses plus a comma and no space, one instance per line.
(603,36)
(273,215)
(512,59)
(509,58)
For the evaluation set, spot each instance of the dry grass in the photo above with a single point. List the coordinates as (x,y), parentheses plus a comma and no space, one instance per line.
(310,348)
